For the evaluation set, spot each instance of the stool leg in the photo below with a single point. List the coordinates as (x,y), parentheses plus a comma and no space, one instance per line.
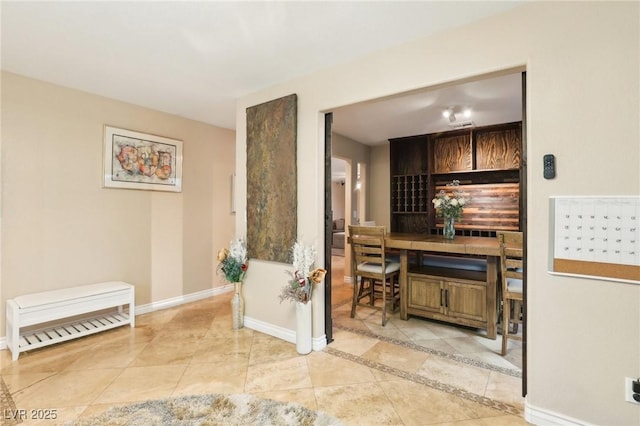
(517,309)
(384,301)
(506,309)
(355,295)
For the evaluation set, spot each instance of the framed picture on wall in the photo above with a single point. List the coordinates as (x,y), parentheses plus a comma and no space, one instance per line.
(134,160)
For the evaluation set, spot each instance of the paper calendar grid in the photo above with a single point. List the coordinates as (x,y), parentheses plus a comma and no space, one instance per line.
(598,229)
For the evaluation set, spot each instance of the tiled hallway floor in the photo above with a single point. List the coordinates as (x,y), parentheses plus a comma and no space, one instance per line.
(462,343)
(359,378)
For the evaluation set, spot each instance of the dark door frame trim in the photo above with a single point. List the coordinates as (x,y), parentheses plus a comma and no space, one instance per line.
(523,211)
(328,225)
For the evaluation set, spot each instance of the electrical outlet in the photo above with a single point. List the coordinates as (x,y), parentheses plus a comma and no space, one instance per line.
(628,390)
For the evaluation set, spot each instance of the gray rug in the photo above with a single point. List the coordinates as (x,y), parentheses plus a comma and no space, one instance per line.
(216,409)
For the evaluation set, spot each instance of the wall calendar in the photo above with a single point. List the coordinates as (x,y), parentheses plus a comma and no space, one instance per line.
(597,237)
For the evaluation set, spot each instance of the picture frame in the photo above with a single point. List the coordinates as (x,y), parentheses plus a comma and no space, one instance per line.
(135,160)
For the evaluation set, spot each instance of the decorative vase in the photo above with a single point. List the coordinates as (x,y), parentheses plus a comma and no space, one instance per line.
(449,231)
(303,327)
(237,307)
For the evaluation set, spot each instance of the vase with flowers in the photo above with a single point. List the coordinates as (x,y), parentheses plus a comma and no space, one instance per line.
(449,205)
(299,289)
(233,265)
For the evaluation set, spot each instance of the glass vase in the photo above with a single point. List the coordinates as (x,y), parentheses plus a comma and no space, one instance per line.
(237,307)
(449,231)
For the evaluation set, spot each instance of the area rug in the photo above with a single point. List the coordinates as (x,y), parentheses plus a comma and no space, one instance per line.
(216,409)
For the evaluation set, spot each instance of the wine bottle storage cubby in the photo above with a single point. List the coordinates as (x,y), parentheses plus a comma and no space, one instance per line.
(410,193)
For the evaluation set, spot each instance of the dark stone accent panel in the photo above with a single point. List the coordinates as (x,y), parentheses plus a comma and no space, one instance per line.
(272,182)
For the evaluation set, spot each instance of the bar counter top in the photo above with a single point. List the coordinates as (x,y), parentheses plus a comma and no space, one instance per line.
(486,246)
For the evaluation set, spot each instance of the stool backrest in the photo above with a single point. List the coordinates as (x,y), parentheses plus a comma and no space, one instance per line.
(367,246)
(511,254)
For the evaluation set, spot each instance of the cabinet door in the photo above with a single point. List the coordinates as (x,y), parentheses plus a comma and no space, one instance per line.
(452,154)
(499,149)
(466,300)
(426,294)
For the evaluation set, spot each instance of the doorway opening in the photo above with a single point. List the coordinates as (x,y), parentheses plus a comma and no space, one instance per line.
(378,203)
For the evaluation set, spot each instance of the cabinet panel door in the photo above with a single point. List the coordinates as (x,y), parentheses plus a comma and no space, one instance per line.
(498,149)
(425,294)
(467,300)
(452,154)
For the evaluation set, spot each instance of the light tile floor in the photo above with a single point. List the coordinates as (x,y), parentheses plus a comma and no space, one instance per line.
(467,344)
(360,378)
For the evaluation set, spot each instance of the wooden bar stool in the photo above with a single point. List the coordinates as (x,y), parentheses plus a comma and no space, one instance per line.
(372,274)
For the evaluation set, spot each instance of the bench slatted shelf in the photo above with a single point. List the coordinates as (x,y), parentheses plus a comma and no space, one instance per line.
(41,309)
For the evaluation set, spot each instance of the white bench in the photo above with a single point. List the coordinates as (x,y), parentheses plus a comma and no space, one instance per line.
(55,305)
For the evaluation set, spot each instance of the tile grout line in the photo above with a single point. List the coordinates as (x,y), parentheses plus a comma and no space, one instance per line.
(410,345)
(416,378)
(8,405)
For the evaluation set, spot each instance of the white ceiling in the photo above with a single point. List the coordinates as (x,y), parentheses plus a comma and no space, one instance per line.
(194,59)
(491,100)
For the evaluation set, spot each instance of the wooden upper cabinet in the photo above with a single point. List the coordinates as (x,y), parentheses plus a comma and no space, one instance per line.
(498,149)
(452,154)
(485,160)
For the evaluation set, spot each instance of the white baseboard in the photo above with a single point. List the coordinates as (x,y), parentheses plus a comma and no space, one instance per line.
(164,304)
(317,344)
(181,300)
(541,417)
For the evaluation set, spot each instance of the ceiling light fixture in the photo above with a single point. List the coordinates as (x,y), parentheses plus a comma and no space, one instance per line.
(448,113)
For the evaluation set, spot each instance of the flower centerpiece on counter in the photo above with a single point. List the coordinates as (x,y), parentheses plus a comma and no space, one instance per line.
(299,288)
(233,265)
(449,205)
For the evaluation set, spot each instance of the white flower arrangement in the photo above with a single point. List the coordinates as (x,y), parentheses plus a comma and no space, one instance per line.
(302,279)
(303,257)
(233,261)
(450,205)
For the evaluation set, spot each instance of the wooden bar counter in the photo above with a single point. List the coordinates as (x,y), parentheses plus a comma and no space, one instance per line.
(451,294)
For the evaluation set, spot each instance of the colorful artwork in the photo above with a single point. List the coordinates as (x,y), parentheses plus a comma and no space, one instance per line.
(139,161)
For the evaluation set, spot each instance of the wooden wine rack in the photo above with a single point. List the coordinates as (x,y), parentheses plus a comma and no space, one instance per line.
(410,193)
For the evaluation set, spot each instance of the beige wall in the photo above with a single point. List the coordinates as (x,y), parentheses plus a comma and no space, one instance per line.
(61,228)
(380,184)
(582,69)
(353,152)
(357,200)
(337,200)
